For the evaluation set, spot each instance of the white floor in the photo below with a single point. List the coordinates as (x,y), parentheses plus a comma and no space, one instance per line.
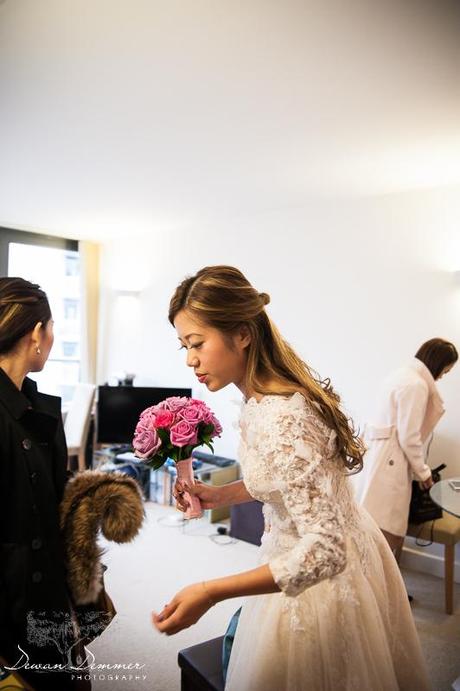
(144,575)
(141,578)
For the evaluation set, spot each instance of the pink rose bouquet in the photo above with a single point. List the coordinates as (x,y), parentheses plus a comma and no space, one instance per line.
(172,429)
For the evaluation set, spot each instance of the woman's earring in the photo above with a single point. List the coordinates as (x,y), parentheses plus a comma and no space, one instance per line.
(37,350)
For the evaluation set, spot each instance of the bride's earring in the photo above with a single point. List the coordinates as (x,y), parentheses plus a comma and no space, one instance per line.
(37,350)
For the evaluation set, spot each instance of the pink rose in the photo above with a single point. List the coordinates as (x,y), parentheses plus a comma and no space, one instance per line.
(194,413)
(217,426)
(164,419)
(147,417)
(161,406)
(175,403)
(146,442)
(183,434)
(208,417)
(198,402)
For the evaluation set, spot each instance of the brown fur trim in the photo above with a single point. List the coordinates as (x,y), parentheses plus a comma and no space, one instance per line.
(94,501)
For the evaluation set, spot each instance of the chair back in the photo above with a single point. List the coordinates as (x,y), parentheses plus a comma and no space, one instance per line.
(76,424)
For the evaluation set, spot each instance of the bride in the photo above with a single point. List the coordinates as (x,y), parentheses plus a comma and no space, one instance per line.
(327,607)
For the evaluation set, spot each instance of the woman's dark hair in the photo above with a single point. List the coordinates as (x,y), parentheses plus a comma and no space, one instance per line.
(437,354)
(22,306)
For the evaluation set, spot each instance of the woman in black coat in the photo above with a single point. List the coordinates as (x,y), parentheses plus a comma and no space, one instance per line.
(35,614)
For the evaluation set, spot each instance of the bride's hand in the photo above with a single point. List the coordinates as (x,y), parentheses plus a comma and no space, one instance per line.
(185,609)
(209,495)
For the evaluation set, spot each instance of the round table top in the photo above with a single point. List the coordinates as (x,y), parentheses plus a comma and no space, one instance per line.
(446,497)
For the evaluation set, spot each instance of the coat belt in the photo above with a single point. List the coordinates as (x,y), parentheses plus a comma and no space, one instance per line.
(373,433)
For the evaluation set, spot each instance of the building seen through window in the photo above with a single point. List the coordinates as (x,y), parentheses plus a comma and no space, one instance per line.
(70,308)
(72,264)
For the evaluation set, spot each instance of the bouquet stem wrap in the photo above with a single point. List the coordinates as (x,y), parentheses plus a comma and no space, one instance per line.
(185,475)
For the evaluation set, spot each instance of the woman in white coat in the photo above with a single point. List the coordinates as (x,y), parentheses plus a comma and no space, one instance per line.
(410,409)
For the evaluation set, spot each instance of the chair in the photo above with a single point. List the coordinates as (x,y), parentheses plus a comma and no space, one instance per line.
(77,421)
(201,666)
(446,531)
(247,522)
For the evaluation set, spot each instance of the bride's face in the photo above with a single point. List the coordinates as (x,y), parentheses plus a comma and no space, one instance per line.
(217,359)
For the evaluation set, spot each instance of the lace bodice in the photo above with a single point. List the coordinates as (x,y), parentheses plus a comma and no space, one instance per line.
(289,462)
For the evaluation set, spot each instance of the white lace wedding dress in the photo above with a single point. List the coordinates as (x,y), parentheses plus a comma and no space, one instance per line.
(342,620)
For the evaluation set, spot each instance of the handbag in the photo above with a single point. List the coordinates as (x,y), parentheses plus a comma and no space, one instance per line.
(422,508)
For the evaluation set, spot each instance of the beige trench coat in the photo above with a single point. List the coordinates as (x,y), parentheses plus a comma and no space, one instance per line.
(411,408)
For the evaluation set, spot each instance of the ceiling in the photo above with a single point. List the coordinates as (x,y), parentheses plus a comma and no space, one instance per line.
(124,117)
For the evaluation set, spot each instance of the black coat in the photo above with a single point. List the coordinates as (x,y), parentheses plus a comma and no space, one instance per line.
(33,461)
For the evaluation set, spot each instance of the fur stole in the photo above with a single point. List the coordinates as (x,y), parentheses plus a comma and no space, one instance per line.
(95,501)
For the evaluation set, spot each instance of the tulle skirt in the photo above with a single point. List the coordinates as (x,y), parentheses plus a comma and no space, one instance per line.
(353,632)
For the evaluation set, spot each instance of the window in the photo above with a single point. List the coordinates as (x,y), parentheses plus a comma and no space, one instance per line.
(54,264)
(70,308)
(70,349)
(72,267)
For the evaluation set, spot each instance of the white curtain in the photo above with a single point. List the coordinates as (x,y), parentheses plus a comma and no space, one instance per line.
(90,288)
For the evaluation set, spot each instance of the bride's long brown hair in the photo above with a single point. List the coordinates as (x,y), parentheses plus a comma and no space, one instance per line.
(221,297)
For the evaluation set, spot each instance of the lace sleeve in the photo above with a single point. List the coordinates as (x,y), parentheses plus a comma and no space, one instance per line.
(308,498)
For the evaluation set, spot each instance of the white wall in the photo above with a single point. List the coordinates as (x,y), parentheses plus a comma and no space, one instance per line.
(356,287)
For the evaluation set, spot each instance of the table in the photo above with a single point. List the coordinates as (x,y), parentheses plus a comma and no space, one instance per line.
(449,500)
(446,497)
(127,464)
